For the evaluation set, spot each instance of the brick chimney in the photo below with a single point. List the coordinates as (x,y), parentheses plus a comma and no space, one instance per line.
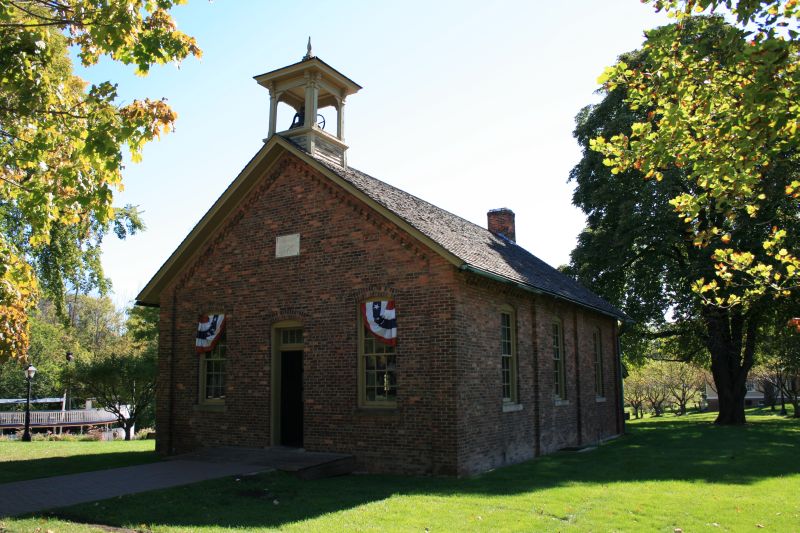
(501,222)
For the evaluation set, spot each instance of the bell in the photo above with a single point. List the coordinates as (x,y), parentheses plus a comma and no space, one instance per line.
(299,119)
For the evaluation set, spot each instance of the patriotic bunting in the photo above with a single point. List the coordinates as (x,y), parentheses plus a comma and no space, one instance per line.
(380,320)
(209,331)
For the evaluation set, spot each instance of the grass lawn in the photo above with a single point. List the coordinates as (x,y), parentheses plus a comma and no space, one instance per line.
(30,460)
(665,474)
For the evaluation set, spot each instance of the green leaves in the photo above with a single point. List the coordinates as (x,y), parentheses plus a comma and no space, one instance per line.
(722,104)
(62,143)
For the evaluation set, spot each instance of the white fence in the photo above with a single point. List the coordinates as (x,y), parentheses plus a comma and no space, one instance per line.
(77,417)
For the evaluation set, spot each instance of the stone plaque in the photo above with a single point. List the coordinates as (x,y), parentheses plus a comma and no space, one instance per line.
(287,245)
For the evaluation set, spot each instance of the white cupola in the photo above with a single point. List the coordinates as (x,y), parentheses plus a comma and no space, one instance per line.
(309,86)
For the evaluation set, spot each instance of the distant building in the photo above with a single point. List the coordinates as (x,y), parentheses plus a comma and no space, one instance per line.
(753,398)
(341,314)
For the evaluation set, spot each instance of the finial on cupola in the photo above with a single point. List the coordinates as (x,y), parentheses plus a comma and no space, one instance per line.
(309,53)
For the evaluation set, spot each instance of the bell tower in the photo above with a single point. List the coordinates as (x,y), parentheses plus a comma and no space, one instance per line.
(308,86)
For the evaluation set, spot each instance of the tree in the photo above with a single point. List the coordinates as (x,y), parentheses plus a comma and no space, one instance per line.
(638,254)
(635,389)
(50,341)
(770,375)
(142,330)
(142,326)
(662,383)
(95,322)
(121,376)
(723,105)
(684,382)
(121,373)
(656,393)
(61,142)
(122,380)
(779,355)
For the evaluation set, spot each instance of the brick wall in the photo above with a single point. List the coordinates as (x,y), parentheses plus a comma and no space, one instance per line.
(449,417)
(347,254)
(491,435)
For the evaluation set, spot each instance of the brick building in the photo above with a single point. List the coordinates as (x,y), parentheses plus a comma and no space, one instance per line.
(360,319)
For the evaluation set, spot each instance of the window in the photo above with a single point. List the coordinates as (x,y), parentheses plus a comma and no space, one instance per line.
(377,368)
(559,385)
(291,336)
(508,352)
(599,388)
(212,373)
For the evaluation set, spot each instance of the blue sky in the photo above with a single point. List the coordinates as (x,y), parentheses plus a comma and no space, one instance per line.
(468,105)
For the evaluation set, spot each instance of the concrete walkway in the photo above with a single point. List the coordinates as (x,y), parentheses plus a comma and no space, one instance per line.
(37,495)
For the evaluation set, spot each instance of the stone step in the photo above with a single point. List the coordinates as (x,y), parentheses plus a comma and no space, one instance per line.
(303,464)
(339,466)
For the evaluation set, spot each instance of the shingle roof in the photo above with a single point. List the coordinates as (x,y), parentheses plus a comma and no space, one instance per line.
(481,250)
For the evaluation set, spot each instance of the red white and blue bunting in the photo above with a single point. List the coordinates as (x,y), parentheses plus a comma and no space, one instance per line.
(209,331)
(381,321)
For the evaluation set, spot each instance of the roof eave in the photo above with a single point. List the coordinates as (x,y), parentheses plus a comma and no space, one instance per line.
(536,290)
(351,85)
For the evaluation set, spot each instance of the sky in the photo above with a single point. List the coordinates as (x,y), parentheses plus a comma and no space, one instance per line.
(468,105)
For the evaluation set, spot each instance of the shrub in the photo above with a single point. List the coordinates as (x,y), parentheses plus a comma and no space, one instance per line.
(145,433)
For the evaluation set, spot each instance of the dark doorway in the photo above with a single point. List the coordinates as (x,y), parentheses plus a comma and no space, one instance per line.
(292,398)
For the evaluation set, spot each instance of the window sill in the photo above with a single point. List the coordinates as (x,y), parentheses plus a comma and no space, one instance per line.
(210,407)
(378,410)
(600,399)
(512,407)
(559,402)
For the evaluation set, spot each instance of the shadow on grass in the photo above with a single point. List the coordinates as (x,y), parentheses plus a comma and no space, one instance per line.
(688,448)
(74,464)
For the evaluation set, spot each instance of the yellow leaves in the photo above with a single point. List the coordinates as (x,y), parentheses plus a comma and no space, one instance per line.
(639,128)
(14,337)
(18,292)
(109,212)
(700,286)
(39,239)
(726,238)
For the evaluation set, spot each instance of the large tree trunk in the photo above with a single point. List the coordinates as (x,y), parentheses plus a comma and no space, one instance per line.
(731,342)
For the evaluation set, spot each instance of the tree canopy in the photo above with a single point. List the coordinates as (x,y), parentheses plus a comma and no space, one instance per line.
(62,142)
(723,105)
(637,253)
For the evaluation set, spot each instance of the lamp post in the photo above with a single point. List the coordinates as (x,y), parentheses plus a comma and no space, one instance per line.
(29,373)
(67,399)
(780,386)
